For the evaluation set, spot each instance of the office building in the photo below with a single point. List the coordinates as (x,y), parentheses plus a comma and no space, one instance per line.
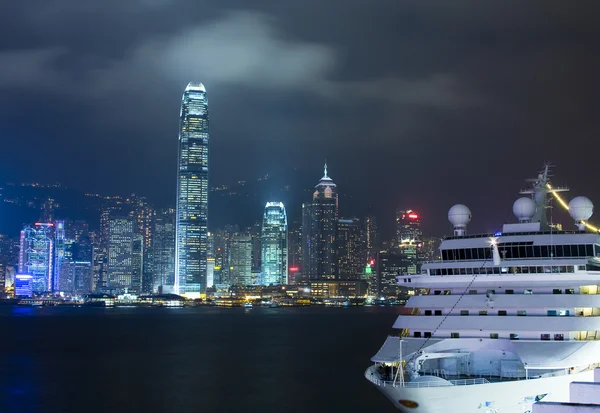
(409,237)
(273,243)
(371,237)
(240,260)
(192,192)
(163,250)
(36,255)
(125,249)
(319,224)
(351,249)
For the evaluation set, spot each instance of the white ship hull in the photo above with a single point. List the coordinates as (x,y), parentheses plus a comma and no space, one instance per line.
(502,397)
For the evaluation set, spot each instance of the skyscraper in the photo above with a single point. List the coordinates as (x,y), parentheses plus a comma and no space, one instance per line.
(351,249)
(240,260)
(163,248)
(371,237)
(125,249)
(409,234)
(36,255)
(273,242)
(192,192)
(319,223)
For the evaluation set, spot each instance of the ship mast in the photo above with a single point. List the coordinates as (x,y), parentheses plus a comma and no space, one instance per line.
(539,193)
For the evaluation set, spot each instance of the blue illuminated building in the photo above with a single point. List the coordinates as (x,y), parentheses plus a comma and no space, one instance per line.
(23,285)
(36,255)
(274,251)
(192,193)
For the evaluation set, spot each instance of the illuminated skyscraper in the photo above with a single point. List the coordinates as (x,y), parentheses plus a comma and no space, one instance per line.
(351,249)
(409,237)
(240,260)
(274,251)
(192,192)
(319,224)
(36,255)
(163,247)
(125,252)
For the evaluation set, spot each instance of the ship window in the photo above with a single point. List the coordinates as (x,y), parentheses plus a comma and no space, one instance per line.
(463,271)
(447,292)
(521,312)
(493,335)
(522,252)
(476,271)
(438,312)
(514,336)
(581,250)
(559,337)
(559,251)
(496,270)
(525,270)
(469,271)
(483,312)
(529,251)
(509,292)
(428,334)
(539,270)
(444,271)
(437,292)
(545,337)
(528,292)
(569,291)
(427,312)
(551,313)
(417,334)
(461,254)
(468,254)
(537,252)
(545,252)
(444,255)
(581,268)
(563,313)
(464,312)
(454,335)
(557,291)
(491,291)
(502,312)
(472,291)
(589,250)
(570,269)
(547,269)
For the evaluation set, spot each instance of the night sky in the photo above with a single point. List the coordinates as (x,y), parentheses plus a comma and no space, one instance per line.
(414,104)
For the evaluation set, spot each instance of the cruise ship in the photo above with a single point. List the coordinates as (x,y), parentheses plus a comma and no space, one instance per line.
(502,320)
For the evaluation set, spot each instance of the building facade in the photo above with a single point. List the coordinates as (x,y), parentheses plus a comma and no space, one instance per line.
(273,243)
(240,260)
(125,252)
(351,249)
(192,192)
(36,255)
(163,250)
(319,225)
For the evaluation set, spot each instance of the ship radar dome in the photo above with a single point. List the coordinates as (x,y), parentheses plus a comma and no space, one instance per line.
(459,216)
(524,209)
(581,208)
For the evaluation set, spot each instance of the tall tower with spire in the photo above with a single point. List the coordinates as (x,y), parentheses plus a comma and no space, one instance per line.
(319,224)
(191,239)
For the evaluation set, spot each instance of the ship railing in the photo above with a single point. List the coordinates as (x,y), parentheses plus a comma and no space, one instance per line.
(419,384)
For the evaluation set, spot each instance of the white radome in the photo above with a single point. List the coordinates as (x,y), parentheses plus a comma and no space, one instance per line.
(459,215)
(581,208)
(524,209)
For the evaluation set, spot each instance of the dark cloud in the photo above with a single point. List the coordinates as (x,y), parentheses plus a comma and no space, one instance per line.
(413,103)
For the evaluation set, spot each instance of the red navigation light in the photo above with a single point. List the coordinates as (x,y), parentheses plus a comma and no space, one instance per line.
(294,269)
(413,216)
(372,262)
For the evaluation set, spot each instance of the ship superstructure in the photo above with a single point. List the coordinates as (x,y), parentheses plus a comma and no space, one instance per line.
(503,320)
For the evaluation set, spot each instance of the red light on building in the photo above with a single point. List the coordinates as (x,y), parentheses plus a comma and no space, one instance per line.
(372,262)
(294,269)
(413,216)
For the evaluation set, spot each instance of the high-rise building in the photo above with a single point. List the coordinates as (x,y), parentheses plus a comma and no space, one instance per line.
(389,266)
(240,260)
(294,253)
(408,226)
(351,249)
(36,255)
(163,248)
(273,243)
(319,224)
(59,254)
(409,238)
(371,237)
(192,192)
(125,249)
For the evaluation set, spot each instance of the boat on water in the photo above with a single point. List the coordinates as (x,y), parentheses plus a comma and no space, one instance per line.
(247,304)
(502,320)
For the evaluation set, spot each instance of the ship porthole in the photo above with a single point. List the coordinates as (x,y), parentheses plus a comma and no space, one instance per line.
(408,403)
